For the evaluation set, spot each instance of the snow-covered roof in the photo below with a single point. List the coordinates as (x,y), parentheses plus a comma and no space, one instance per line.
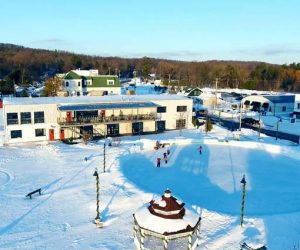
(89,99)
(161,225)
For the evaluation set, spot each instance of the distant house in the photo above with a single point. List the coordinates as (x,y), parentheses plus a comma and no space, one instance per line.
(192,91)
(276,104)
(89,82)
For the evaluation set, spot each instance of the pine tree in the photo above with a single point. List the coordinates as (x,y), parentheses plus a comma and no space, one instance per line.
(208,125)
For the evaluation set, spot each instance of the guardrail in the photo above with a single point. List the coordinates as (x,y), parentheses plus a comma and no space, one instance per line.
(232,125)
(98,119)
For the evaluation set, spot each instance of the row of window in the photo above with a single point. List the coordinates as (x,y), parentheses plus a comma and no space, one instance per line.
(109,83)
(13,118)
(164,109)
(39,132)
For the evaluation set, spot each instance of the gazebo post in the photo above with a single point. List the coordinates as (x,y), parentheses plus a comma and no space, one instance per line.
(142,239)
(190,242)
(198,234)
(166,243)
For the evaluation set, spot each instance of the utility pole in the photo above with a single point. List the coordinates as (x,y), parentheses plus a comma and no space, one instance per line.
(241,113)
(97,220)
(243,181)
(259,123)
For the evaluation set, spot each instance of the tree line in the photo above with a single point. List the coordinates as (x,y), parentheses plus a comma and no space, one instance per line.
(21,65)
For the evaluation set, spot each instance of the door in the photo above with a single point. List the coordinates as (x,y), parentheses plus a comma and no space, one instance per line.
(112,129)
(62,134)
(69,116)
(160,126)
(51,134)
(137,128)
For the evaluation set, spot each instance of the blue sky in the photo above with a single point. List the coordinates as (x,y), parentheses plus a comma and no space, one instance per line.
(195,30)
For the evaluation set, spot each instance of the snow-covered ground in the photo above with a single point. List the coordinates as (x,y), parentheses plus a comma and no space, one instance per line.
(61,218)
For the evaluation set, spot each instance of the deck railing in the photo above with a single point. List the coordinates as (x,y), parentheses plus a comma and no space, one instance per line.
(107,119)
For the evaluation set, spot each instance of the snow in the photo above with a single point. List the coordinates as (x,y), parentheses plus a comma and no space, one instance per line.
(209,184)
(90,99)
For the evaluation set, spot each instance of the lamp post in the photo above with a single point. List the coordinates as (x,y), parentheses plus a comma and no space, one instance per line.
(97,218)
(243,181)
(104,163)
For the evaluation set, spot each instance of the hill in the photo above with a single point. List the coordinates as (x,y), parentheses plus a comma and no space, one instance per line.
(23,65)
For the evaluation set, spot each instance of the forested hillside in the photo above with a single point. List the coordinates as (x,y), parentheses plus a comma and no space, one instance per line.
(23,65)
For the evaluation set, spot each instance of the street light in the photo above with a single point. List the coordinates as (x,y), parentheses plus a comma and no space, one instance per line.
(97,221)
(243,181)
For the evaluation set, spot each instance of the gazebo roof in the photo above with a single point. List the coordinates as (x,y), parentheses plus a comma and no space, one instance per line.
(168,207)
(166,217)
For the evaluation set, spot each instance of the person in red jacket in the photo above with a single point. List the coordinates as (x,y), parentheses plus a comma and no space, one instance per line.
(158,162)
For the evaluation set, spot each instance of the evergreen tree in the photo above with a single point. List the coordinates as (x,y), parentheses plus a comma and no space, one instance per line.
(208,125)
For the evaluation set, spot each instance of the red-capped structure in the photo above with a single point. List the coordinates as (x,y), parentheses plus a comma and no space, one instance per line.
(168,207)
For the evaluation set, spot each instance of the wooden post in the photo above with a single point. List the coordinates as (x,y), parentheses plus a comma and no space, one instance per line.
(190,242)
(198,234)
(142,239)
(166,244)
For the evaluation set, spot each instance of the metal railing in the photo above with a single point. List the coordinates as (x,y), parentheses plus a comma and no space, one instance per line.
(107,119)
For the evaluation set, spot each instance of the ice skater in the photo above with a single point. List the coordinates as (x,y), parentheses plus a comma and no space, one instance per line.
(168,151)
(166,158)
(200,150)
(158,162)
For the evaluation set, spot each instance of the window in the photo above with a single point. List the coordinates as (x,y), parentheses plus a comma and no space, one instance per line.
(12,118)
(181,108)
(283,108)
(161,109)
(15,134)
(79,83)
(110,82)
(39,117)
(78,93)
(40,132)
(67,84)
(25,118)
(298,105)
(180,123)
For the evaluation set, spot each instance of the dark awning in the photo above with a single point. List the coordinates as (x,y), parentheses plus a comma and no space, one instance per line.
(101,106)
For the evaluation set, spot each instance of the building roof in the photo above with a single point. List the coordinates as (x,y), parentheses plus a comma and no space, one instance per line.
(71,75)
(280,98)
(101,81)
(90,99)
(107,106)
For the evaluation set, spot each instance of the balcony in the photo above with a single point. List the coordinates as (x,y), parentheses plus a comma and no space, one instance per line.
(79,121)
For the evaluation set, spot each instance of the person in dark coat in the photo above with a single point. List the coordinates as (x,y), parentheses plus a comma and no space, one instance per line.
(168,151)
(166,158)
(158,162)
(200,150)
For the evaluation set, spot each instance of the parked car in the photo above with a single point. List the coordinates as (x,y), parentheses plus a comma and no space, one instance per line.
(250,121)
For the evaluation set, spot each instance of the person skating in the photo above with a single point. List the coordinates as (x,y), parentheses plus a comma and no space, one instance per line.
(200,150)
(158,162)
(168,151)
(166,158)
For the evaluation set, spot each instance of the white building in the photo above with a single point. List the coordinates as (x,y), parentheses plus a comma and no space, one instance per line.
(276,104)
(89,82)
(54,118)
